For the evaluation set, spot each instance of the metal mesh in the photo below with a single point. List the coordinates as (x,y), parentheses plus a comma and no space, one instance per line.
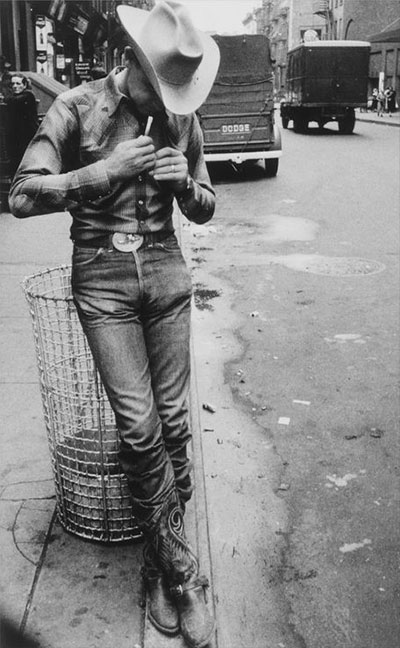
(92,493)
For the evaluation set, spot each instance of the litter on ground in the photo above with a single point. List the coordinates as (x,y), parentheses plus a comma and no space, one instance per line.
(346,548)
(341,481)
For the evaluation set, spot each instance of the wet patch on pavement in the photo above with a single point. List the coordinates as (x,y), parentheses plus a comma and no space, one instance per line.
(275,227)
(330,266)
(203,296)
(290,228)
(198,260)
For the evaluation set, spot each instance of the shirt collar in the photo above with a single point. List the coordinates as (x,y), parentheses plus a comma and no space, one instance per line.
(114,96)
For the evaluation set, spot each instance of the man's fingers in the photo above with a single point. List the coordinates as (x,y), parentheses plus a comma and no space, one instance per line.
(167,151)
(142,140)
(165,164)
(169,171)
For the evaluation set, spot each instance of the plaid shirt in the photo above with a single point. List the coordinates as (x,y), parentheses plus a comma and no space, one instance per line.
(63,167)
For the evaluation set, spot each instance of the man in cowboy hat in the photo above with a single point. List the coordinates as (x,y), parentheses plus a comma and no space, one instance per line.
(94,157)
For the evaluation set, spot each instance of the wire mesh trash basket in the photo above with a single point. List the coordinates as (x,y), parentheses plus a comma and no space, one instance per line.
(92,493)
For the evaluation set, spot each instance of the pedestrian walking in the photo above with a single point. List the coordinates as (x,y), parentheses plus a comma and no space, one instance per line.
(116,153)
(22,119)
(380,103)
(386,94)
(390,100)
(374,100)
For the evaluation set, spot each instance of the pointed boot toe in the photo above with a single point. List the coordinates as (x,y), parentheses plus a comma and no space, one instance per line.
(196,623)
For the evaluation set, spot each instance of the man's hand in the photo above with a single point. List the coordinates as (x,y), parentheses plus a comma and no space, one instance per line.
(130,158)
(171,166)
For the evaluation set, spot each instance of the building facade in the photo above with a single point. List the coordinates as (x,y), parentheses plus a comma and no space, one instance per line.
(288,23)
(62,39)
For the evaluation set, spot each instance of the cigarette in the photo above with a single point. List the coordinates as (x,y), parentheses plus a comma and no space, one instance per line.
(148,124)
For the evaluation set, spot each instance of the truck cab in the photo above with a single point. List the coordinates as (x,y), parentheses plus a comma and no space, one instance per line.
(237,118)
(326,81)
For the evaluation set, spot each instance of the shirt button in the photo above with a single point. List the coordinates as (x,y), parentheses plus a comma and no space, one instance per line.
(140,179)
(140,202)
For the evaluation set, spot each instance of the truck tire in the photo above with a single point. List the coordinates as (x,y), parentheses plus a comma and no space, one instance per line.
(271,167)
(300,124)
(346,123)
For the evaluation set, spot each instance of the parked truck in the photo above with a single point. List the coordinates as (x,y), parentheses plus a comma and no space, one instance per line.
(238,116)
(325,81)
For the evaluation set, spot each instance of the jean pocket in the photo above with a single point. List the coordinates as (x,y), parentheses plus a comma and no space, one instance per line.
(85,256)
(169,244)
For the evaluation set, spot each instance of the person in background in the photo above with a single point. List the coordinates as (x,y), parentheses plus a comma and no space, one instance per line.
(5,78)
(116,153)
(374,101)
(380,103)
(22,119)
(390,100)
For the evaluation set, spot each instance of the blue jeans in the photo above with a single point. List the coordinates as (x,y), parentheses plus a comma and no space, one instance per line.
(135,310)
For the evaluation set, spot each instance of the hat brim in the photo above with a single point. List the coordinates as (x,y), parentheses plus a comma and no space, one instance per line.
(179,99)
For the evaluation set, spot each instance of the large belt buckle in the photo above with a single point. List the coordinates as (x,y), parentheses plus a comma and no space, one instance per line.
(126,242)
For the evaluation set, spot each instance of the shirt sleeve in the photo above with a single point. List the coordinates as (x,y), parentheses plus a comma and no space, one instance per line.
(197,201)
(46,180)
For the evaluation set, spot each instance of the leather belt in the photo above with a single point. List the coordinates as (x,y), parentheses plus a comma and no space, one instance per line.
(122,241)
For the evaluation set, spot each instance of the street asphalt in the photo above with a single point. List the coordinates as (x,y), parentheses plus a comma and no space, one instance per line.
(58,589)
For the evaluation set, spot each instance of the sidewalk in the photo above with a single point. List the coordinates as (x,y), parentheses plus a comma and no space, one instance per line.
(60,589)
(373,118)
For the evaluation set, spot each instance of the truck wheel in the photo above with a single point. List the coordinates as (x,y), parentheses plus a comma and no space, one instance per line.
(271,167)
(300,125)
(285,122)
(346,123)
(4,206)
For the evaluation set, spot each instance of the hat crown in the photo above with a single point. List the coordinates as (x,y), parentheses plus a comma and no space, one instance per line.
(171,43)
(180,61)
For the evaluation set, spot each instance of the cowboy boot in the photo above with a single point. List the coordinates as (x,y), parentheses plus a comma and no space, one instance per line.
(161,609)
(197,624)
(181,567)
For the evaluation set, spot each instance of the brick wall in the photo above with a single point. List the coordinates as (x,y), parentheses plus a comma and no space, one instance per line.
(362,18)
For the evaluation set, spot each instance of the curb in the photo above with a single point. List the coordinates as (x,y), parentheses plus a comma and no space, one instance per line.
(384,121)
(196,519)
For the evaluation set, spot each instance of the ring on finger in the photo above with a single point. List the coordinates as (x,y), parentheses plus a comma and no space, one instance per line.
(173,168)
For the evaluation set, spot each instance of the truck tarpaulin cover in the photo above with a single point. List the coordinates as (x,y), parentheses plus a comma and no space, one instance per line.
(244,59)
(244,76)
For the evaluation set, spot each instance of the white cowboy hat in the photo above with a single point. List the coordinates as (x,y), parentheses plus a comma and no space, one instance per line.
(180,61)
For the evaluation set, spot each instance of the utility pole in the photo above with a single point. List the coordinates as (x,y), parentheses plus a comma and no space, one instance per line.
(15,28)
(290,25)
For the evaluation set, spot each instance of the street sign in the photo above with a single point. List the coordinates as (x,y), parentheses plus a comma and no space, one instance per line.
(82,70)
